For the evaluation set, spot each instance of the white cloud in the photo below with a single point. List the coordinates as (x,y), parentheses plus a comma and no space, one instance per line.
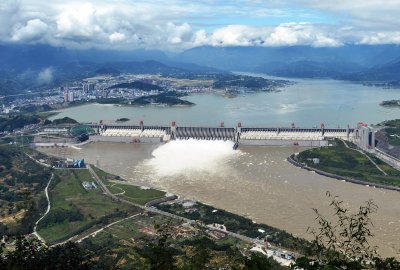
(287,34)
(33,30)
(180,24)
(301,34)
(45,76)
(117,37)
(381,38)
(372,14)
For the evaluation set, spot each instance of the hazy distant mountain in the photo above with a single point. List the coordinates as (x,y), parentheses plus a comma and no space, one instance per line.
(386,72)
(294,61)
(310,69)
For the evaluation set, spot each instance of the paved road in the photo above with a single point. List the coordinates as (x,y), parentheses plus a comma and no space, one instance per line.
(46,190)
(77,239)
(107,226)
(370,159)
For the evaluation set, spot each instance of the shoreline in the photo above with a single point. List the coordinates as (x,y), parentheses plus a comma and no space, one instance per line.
(339,177)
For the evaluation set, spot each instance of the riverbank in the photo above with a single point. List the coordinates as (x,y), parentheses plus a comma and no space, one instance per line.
(338,177)
(344,162)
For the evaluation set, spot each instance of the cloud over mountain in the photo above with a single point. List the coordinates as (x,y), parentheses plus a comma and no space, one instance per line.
(179,24)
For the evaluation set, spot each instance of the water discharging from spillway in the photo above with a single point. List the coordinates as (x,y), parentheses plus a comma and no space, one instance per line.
(187,157)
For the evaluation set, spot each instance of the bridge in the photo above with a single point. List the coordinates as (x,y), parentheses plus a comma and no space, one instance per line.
(273,136)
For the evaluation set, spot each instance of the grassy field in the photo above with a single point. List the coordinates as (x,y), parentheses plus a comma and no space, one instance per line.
(75,209)
(136,194)
(129,228)
(130,192)
(346,162)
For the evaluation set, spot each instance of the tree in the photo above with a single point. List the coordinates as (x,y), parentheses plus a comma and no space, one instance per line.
(159,255)
(342,242)
(32,254)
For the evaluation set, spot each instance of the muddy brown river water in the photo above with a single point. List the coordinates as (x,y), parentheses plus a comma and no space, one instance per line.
(256,182)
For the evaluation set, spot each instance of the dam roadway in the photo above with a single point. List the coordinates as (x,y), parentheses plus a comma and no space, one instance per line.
(274,136)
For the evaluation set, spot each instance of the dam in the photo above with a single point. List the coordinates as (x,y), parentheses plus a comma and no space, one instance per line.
(258,136)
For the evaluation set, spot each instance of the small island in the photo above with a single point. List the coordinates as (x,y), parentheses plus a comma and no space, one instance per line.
(166,98)
(121,120)
(236,84)
(391,103)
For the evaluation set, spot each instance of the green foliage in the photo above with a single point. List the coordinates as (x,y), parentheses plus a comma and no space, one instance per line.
(239,224)
(23,181)
(348,235)
(343,243)
(169,98)
(393,135)
(252,83)
(159,255)
(136,194)
(74,209)
(347,162)
(18,121)
(256,262)
(392,123)
(386,264)
(64,120)
(81,129)
(31,254)
(123,119)
(60,215)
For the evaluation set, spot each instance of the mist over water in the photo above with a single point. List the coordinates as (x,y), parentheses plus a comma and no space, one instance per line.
(183,157)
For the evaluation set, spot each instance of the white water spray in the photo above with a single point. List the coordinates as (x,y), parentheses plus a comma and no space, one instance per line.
(188,156)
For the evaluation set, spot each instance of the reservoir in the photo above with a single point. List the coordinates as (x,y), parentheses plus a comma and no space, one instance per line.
(307,103)
(255,182)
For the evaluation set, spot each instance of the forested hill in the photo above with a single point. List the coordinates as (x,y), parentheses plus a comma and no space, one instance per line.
(22,182)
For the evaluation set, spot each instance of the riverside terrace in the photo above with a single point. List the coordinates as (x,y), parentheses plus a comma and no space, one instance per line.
(272,136)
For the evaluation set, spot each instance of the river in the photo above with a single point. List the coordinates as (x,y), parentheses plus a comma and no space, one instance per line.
(255,181)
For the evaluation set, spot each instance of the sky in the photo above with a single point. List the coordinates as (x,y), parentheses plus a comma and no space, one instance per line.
(176,25)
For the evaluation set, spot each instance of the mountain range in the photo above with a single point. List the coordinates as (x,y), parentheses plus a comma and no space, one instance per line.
(32,66)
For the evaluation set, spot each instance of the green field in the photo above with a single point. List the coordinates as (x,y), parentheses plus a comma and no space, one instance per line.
(347,162)
(75,209)
(136,194)
(132,193)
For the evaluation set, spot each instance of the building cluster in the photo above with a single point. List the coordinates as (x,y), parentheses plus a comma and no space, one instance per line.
(71,163)
(100,88)
(89,185)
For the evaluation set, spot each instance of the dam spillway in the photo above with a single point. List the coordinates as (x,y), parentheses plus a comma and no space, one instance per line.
(270,136)
(205,133)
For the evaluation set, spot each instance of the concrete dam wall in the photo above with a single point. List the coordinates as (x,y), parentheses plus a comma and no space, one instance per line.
(272,136)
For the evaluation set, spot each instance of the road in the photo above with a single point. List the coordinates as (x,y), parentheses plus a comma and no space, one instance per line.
(107,226)
(46,190)
(363,153)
